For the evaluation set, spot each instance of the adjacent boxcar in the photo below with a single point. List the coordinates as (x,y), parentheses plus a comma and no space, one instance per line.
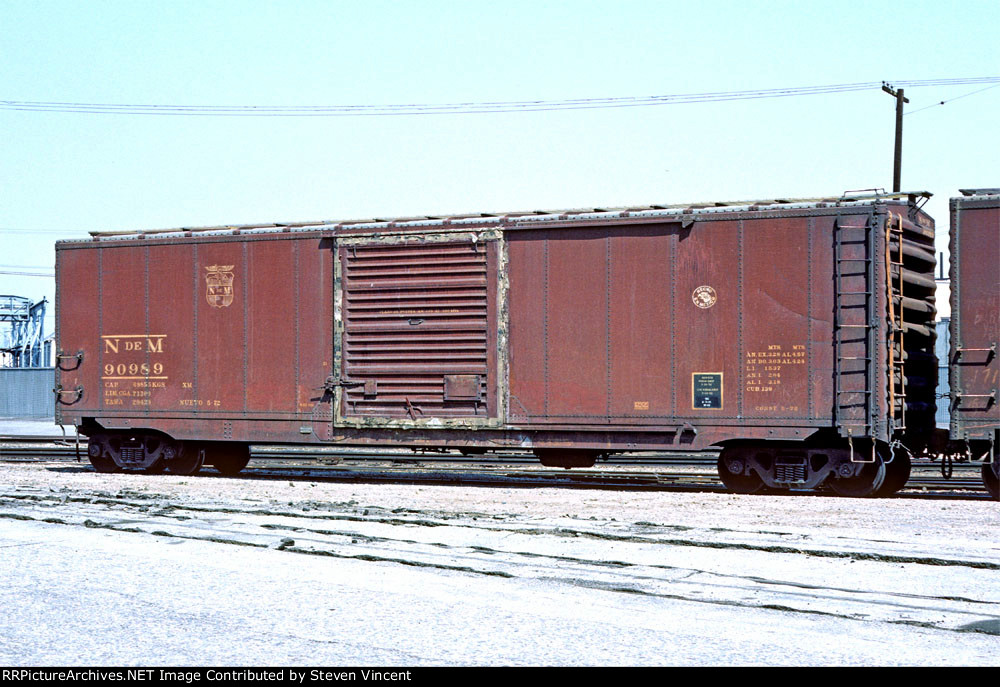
(973,364)
(796,335)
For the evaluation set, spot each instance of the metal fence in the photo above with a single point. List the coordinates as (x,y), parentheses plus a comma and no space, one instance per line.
(26,392)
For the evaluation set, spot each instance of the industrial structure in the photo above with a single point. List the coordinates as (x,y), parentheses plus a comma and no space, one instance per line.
(26,360)
(22,333)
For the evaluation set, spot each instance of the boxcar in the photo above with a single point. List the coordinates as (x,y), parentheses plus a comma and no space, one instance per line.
(796,336)
(973,364)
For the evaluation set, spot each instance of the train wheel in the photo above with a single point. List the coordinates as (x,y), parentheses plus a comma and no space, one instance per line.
(865,482)
(188,461)
(991,477)
(106,465)
(735,475)
(95,452)
(156,468)
(229,459)
(897,473)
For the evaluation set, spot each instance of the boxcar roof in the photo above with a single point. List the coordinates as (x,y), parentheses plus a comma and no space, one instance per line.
(505,219)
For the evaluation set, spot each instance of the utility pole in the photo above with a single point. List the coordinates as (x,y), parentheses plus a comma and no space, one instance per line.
(898,157)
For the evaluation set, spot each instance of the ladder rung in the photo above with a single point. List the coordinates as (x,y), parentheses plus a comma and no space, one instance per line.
(841,391)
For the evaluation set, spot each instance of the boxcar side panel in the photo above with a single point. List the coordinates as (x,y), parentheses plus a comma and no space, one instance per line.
(618,329)
(78,332)
(640,332)
(190,336)
(589,325)
(271,341)
(527,303)
(126,343)
(313,304)
(778,349)
(820,326)
(172,297)
(576,339)
(726,320)
(220,381)
(975,325)
(706,321)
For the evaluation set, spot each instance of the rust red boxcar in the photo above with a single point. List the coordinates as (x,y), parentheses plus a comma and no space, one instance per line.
(974,358)
(797,336)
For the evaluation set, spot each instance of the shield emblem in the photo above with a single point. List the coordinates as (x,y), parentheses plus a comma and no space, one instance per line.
(219,280)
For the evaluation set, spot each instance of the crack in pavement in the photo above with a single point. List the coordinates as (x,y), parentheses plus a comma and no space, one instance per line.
(979,627)
(571,533)
(288,545)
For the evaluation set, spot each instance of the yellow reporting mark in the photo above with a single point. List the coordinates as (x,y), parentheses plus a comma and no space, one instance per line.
(144,343)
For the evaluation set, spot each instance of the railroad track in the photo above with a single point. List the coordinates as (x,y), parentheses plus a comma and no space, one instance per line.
(12,448)
(696,475)
(695,472)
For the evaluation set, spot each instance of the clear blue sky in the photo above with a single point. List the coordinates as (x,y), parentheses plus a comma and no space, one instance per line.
(62,174)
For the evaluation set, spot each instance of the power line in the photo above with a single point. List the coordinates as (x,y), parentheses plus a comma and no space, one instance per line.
(965,95)
(411,109)
(407,109)
(28,274)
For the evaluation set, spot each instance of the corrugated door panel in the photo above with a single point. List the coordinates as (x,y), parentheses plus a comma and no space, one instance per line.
(417,330)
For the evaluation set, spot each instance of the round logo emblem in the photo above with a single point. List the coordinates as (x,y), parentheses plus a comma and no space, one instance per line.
(704,297)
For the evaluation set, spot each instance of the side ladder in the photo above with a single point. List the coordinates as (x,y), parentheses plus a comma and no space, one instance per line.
(897,349)
(853,330)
